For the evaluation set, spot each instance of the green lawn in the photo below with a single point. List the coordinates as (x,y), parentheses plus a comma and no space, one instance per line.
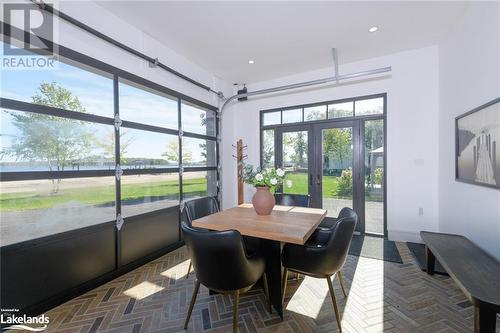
(300,185)
(330,184)
(101,195)
(162,189)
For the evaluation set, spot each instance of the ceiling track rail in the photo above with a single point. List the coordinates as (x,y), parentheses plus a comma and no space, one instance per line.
(335,79)
(152,61)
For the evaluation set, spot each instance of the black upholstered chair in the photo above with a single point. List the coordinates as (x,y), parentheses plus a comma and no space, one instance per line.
(198,208)
(299,200)
(221,264)
(324,229)
(329,223)
(322,259)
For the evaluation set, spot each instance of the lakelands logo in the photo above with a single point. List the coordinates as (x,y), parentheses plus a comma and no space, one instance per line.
(29,37)
(11,321)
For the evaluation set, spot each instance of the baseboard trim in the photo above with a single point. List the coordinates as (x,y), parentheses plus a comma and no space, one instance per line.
(404,236)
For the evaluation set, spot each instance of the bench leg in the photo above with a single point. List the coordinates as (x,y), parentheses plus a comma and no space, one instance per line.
(485,320)
(431,260)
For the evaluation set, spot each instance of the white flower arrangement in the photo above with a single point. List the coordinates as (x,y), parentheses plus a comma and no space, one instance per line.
(268,177)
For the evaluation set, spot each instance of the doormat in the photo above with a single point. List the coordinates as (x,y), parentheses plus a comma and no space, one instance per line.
(418,252)
(375,248)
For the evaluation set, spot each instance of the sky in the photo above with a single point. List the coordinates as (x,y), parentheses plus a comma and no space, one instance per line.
(95,92)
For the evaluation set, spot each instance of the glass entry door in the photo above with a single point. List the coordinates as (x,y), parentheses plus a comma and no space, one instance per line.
(336,171)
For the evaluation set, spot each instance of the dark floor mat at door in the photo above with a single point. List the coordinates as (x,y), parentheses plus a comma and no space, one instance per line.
(375,248)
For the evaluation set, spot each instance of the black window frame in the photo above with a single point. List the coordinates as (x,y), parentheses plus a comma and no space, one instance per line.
(117,75)
(362,119)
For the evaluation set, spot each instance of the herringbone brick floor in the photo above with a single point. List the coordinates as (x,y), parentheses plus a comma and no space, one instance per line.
(382,296)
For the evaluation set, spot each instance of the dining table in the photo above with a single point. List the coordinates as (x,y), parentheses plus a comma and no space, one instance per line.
(285,224)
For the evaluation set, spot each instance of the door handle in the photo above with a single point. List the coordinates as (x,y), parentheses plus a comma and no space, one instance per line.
(318,180)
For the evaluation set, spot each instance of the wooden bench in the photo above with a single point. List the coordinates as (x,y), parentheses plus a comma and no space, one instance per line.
(476,272)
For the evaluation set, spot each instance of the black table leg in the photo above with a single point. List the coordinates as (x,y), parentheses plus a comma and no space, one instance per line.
(430,259)
(272,252)
(485,320)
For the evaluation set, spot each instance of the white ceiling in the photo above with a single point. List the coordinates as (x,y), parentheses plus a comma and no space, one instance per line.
(286,37)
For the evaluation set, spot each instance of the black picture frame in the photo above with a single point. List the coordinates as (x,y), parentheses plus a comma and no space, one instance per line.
(477,143)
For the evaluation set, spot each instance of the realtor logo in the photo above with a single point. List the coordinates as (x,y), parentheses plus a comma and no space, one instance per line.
(29,37)
(10,321)
(27,24)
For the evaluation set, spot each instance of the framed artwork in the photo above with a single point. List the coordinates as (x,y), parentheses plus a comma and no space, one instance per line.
(477,145)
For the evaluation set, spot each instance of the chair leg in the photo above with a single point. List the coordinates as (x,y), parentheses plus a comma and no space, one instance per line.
(191,305)
(266,291)
(189,270)
(341,280)
(285,277)
(236,307)
(334,301)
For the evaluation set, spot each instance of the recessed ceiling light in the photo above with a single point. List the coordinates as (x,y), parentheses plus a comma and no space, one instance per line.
(373,29)
(251,62)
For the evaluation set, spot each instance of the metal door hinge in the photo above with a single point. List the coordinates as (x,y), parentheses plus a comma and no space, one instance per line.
(118,121)
(118,172)
(119,221)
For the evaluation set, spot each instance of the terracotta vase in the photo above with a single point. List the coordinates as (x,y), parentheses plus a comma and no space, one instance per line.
(263,200)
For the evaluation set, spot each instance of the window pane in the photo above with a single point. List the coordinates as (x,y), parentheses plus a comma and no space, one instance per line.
(268,149)
(196,119)
(143,105)
(199,184)
(198,152)
(292,116)
(271,118)
(35,208)
(337,163)
(340,110)
(370,106)
(295,162)
(315,113)
(144,150)
(67,85)
(147,193)
(374,176)
(36,142)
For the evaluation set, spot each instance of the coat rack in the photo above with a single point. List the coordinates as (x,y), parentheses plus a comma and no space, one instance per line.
(239,160)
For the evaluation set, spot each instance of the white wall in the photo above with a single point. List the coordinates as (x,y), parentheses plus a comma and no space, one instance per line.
(469,68)
(412,120)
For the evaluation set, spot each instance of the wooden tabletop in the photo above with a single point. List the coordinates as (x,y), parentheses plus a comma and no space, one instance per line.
(285,224)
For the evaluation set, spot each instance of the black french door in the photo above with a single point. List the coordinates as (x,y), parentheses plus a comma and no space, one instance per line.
(334,163)
(337,180)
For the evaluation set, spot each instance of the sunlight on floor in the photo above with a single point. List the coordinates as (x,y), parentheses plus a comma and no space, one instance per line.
(309,297)
(178,271)
(367,288)
(143,290)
